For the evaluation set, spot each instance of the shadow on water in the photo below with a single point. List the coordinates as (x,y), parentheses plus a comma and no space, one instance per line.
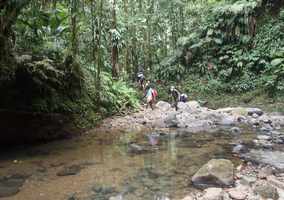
(141,166)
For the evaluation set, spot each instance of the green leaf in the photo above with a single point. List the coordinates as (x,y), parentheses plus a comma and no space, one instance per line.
(277,61)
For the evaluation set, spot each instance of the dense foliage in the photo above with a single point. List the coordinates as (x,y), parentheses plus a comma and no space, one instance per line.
(238,48)
(79,56)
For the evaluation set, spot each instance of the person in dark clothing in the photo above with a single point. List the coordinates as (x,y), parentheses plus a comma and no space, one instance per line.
(141,80)
(175,97)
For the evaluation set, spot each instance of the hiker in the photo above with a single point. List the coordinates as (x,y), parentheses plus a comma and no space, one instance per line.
(141,80)
(151,95)
(183,98)
(175,96)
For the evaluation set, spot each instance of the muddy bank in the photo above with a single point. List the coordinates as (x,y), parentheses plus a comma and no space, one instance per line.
(18,127)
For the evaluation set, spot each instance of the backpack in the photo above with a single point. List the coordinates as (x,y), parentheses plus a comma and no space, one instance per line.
(154,93)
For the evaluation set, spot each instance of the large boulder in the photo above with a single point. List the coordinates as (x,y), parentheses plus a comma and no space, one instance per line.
(171,120)
(217,172)
(164,106)
(193,105)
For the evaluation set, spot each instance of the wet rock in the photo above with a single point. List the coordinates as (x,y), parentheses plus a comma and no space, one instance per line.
(263,143)
(248,180)
(188,198)
(72,197)
(171,121)
(137,149)
(238,193)
(213,194)
(228,121)
(10,185)
(255,115)
(217,172)
(70,170)
(104,190)
(266,128)
(235,130)
(263,137)
(8,191)
(264,172)
(266,190)
(118,197)
(273,180)
(239,148)
(272,158)
(265,119)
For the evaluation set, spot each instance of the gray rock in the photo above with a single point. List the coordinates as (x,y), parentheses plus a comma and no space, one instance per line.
(239,148)
(272,158)
(254,115)
(228,121)
(136,149)
(238,193)
(10,185)
(213,194)
(266,128)
(266,190)
(70,170)
(252,111)
(263,137)
(235,130)
(248,180)
(265,172)
(171,121)
(164,106)
(217,172)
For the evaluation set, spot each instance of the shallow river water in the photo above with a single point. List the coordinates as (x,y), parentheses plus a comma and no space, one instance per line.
(99,166)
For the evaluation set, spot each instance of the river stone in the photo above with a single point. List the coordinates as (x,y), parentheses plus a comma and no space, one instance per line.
(239,193)
(272,158)
(235,130)
(70,170)
(164,106)
(137,149)
(252,111)
(188,198)
(8,191)
(266,190)
(213,194)
(171,121)
(193,104)
(10,185)
(228,121)
(265,172)
(217,172)
(239,148)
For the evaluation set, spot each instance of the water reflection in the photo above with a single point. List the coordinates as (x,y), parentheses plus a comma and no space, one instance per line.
(160,167)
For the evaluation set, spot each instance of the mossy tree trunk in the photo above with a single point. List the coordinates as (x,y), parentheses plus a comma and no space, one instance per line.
(9,11)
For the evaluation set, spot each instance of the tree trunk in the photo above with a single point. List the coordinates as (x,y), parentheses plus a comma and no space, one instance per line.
(127,65)
(74,37)
(99,49)
(114,51)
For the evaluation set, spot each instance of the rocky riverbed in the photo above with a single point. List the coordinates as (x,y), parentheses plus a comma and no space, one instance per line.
(260,176)
(195,153)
